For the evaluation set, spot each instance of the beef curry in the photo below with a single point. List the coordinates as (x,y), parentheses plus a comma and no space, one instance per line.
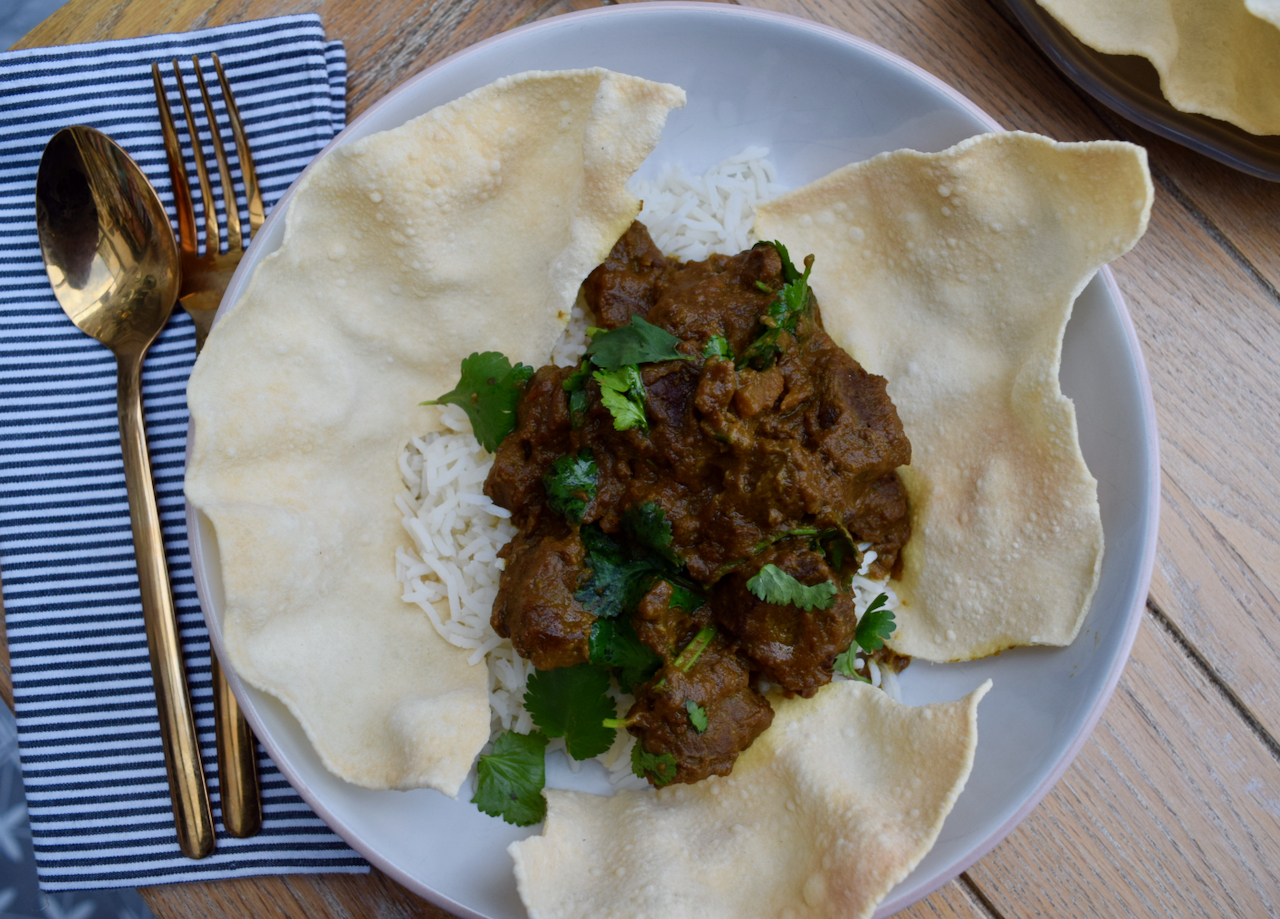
(782,456)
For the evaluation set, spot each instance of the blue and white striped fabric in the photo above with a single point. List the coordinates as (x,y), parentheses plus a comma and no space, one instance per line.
(91,756)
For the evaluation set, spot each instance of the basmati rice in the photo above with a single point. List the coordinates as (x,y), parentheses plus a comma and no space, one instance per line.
(457,530)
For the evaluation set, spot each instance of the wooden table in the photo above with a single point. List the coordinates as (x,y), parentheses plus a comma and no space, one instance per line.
(1173,806)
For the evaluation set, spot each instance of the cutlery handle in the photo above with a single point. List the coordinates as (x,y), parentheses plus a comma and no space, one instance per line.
(237,761)
(191,812)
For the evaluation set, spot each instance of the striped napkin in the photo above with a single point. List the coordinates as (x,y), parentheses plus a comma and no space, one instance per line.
(87,729)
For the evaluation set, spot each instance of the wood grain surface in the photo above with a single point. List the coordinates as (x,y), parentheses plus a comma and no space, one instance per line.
(1173,806)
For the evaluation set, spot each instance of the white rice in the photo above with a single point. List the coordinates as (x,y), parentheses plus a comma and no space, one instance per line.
(692,217)
(451,572)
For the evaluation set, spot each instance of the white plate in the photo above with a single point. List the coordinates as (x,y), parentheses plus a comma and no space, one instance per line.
(818,99)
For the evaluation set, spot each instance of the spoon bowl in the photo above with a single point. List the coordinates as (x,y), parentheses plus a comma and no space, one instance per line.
(112,259)
(107,243)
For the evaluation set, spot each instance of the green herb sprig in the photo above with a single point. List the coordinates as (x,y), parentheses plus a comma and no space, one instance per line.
(637,342)
(660,768)
(697,716)
(488,391)
(572,702)
(623,394)
(509,781)
(773,585)
(613,644)
(874,628)
(876,625)
(783,313)
(570,484)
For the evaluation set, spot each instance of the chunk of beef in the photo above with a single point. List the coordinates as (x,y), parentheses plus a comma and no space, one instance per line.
(738,457)
(627,284)
(536,607)
(718,682)
(540,437)
(791,646)
(666,628)
(851,421)
(719,296)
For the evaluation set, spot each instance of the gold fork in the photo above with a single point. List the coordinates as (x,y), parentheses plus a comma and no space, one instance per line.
(204,279)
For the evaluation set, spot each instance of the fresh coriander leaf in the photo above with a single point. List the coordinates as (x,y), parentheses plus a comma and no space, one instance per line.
(617,581)
(613,643)
(837,546)
(509,780)
(697,715)
(763,350)
(659,768)
(627,412)
(876,625)
(788,534)
(623,394)
(572,702)
(846,663)
(783,314)
(579,397)
(773,585)
(789,271)
(488,392)
(638,342)
(570,484)
(794,299)
(718,346)
(685,598)
(577,380)
(647,524)
(693,650)
(578,401)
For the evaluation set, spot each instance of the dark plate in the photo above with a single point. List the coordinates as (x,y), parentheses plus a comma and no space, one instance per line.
(1130,86)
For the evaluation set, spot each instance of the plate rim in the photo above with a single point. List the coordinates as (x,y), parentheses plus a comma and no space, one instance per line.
(1133,616)
(1087,68)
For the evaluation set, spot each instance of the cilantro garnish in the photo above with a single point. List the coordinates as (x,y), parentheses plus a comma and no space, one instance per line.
(576,386)
(773,585)
(570,484)
(845,663)
(783,314)
(717,346)
(509,780)
(693,650)
(659,767)
(790,273)
(697,715)
(685,598)
(638,342)
(614,644)
(788,534)
(488,392)
(572,702)
(623,394)
(837,546)
(876,625)
(617,581)
(647,524)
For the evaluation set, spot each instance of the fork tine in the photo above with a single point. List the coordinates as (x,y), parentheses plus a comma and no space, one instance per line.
(230,203)
(251,190)
(212,226)
(177,171)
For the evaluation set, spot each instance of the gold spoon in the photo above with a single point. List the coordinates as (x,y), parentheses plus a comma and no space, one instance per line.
(109,249)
